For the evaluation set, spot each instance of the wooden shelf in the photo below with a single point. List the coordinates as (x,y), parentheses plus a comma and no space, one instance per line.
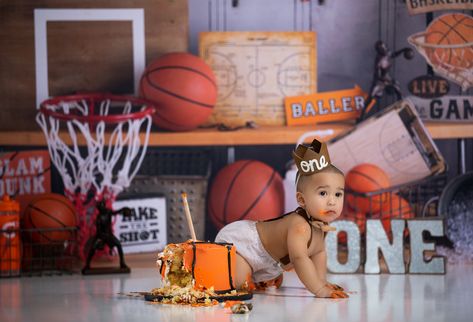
(262,135)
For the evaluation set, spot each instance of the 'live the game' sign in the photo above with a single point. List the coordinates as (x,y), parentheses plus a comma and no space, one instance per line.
(429,86)
(145,230)
(445,109)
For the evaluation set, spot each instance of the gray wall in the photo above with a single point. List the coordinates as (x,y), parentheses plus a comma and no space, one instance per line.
(346,33)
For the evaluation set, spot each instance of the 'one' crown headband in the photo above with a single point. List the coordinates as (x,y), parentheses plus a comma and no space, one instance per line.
(311,159)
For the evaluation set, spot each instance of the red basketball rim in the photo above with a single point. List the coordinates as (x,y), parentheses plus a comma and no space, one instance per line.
(92,101)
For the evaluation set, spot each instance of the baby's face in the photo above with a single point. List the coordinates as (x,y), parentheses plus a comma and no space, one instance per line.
(322,195)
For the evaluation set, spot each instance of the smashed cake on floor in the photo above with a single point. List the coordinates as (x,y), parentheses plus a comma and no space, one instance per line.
(196,273)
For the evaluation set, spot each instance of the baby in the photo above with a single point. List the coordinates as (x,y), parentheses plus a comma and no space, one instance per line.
(295,240)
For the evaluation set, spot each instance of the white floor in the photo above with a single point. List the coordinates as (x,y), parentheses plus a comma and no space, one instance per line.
(374,298)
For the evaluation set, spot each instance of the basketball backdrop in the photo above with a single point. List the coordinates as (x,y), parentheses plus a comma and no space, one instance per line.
(48,215)
(184,89)
(246,189)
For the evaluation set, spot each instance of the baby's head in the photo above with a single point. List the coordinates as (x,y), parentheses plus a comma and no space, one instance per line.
(320,185)
(321,194)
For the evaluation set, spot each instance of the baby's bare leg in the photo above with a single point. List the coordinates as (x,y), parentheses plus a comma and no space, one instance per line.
(243,272)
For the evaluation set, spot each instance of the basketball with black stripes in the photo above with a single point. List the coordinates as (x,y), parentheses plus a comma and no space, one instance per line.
(366,178)
(246,189)
(184,89)
(50,217)
(453,33)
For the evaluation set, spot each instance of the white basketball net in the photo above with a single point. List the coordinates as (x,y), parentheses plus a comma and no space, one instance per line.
(460,73)
(112,153)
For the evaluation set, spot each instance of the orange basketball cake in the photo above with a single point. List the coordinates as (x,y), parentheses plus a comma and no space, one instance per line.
(197,273)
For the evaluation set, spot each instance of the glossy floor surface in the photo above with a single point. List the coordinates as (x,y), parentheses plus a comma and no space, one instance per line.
(372,298)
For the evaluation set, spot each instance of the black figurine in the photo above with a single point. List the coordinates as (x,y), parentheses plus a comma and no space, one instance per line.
(104,236)
(382,80)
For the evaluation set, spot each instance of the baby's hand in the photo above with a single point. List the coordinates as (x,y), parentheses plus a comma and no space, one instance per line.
(334,287)
(327,292)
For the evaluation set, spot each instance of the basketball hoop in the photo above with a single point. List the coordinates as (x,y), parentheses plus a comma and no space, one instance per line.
(462,75)
(97,142)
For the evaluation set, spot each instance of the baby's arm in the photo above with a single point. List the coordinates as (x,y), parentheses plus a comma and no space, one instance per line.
(297,237)
(320,262)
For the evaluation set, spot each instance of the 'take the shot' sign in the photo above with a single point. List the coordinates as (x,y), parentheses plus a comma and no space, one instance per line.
(145,230)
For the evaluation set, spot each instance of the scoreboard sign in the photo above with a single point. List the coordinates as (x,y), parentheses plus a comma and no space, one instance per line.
(145,230)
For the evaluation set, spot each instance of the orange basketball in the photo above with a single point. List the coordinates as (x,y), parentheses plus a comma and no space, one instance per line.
(245,189)
(51,212)
(452,30)
(184,89)
(365,178)
(395,207)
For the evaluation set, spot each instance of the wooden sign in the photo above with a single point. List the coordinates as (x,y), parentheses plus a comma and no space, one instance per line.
(256,70)
(324,107)
(429,86)
(395,140)
(145,230)
(422,6)
(25,174)
(445,109)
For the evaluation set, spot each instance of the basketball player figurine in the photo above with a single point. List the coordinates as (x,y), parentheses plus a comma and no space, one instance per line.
(382,80)
(104,236)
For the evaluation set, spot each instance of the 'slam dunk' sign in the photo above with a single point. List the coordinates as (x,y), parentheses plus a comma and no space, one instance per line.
(324,107)
(24,175)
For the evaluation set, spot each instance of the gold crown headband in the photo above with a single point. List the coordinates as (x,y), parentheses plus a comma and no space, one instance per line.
(310,159)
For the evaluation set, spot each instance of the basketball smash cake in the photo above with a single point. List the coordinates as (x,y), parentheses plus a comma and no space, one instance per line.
(196,273)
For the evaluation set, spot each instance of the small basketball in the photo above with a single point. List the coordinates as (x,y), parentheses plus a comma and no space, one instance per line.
(365,178)
(451,29)
(245,189)
(395,207)
(50,211)
(184,89)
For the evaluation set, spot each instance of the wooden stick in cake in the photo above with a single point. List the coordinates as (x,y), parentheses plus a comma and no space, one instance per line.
(188,215)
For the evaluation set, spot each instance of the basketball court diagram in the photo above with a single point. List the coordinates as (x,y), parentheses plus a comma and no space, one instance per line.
(255,71)
(397,149)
